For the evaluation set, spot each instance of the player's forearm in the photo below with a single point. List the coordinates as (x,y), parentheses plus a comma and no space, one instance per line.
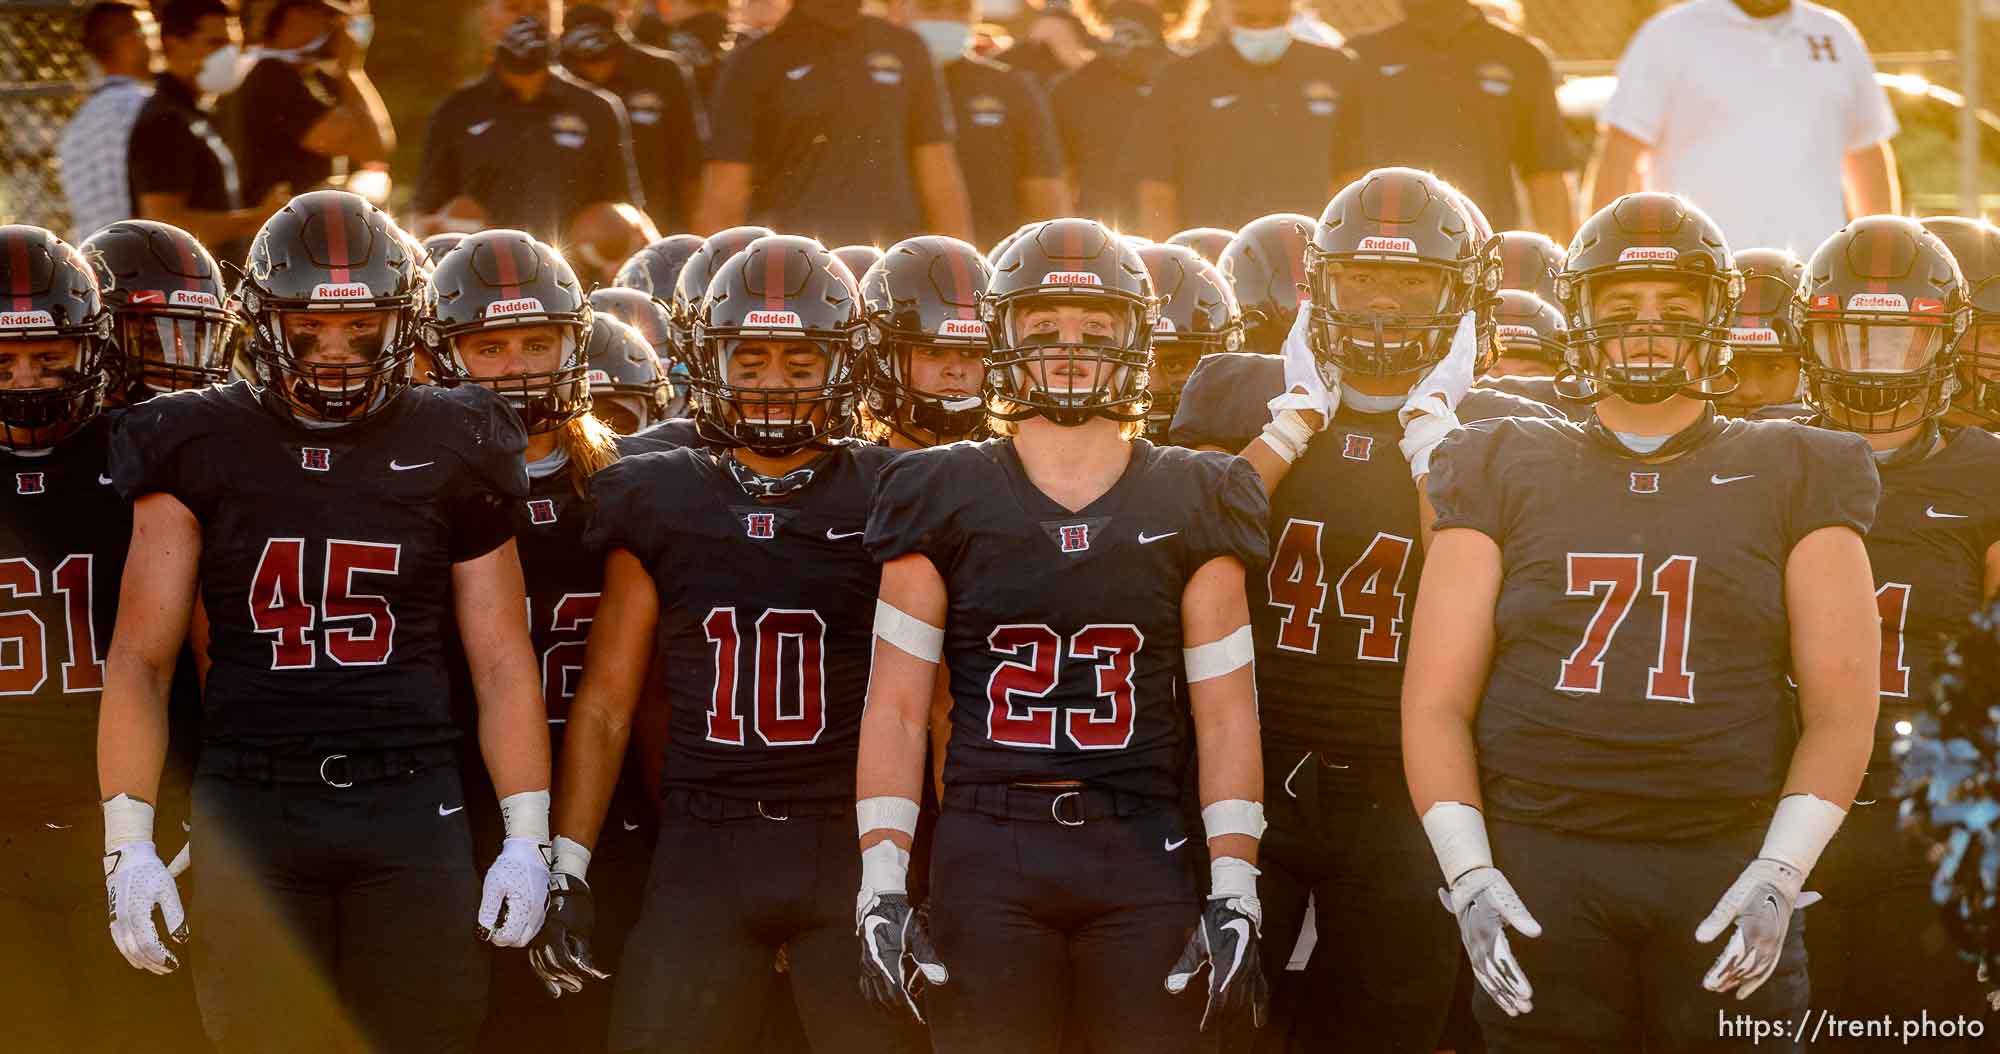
(1552,197)
(1440,758)
(593,748)
(895,726)
(1872,188)
(1228,743)
(1614,169)
(1836,640)
(1270,465)
(513,728)
(132,726)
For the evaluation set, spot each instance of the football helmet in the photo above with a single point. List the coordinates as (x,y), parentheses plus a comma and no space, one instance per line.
(1648,235)
(924,296)
(1001,246)
(628,389)
(1885,306)
(502,279)
(1975,244)
(1767,315)
(1266,266)
(1207,241)
(1070,262)
(331,251)
(653,269)
(1530,328)
(1406,219)
(642,312)
(691,285)
(1198,316)
(858,258)
(171,313)
(54,297)
(783,290)
(1529,261)
(437,245)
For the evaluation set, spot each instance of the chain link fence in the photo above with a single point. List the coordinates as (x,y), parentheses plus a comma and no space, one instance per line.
(42,81)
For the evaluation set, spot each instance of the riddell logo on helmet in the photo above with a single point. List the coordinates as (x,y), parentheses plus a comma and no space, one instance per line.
(1374,244)
(1071,278)
(774,319)
(1878,302)
(26,319)
(525,305)
(344,291)
(961,327)
(1752,335)
(1515,331)
(1649,254)
(194,298)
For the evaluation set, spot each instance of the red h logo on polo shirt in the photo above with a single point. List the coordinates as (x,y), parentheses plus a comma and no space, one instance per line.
(1822,45)
(1075,537)
(761,524)
(316,458)
(1645,483)
(1357,448)
(27,483)
(542,510)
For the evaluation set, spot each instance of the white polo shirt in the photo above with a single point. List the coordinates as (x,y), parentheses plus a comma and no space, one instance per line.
(1750,118)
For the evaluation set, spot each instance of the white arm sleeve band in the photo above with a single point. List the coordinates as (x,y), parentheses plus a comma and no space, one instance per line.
(1219,657)
(1233,816)
(914,636)
(1458,836)
(126,820)
(526,815)
(1287,435)
(1800,830)
(885,813)
(571,858)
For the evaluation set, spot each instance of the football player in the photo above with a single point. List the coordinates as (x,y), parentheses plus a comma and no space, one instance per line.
(650,317)
(926,379)
(437,245)
(173,323)
(690,289)
(628,391)
(1616,781)
(1198,316)
(315,528)
(1210,242)
(63,537)
(748,561)
(1266,266)
(1975,244)
(1529,261)
(858,258)
(654,269)
(1531,336)
(1885,304)
(1395,271)
(1765,345)
(1083,574)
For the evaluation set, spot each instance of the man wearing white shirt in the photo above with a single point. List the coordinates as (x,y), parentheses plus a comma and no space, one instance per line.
(1765,113)
(94,144)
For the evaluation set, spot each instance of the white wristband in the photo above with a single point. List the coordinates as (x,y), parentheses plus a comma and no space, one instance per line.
(1218,657)
(1458,837)
(912,635)
(1287,435)
(885,812)
(1800,829)
(1231,877)
(126,820)
(526,815)
(1233,816)
(571,857)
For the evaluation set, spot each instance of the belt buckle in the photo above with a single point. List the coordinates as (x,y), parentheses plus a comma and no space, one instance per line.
(1056,809)
(761,811)
(346,772)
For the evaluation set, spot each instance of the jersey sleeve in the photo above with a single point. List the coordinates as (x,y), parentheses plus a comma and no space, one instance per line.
(489,441)
(165,144)
(1484,404)
(146,445)
(1460,481)
(277,104)
(618,516)
(1234,516)
(1223,403)
(912,509)
(1836,485)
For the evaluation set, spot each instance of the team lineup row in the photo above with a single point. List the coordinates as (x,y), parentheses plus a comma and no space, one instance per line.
(1014,639)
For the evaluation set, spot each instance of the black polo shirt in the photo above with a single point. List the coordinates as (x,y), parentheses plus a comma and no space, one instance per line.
(702,40)
(177,148)
(1097,108)
(267,118)
(1213,106)
(826,118)
(533,164)
(1005,134)
(667,125)
(1459,95)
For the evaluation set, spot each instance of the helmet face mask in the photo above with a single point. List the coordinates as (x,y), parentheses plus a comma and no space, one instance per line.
(628,387)
(927,373)
(1530,333)
(1880,376)
(549,392)
(503,292)
(1070,314)
(58,327)
(174,324)
(913,383)
(1199,316)
(1979,367)
(68,390)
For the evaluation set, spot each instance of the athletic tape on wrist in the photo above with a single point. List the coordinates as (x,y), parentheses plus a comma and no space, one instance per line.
(912,635)
(1287,435)
(1422,436)
(1458,837)
(526,815)
(1800,829)
(571,858)
(126,820)
(1230,876)
(1233,816)
(885,812)
(1218,657)
(885,867)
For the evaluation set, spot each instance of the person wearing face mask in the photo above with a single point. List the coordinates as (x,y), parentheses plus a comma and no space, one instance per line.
(1448,90)
(182,172)
(1007,142)
(699,32)
(658,91)
(1096,104)
(1050,39)
(1260,84)
(305,101)
(94,142)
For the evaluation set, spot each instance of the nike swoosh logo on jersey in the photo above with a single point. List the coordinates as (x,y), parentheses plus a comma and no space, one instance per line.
(442,811)
(798,72)
(397,466)
(835,536)
(103,480)
(1392,70)
(1932,512)
(1173,845)
(628,825)
(1720,480)
(1221,102)
(1148,539)
(480,128)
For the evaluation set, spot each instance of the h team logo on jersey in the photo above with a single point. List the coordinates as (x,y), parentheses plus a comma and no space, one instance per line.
(1357,448)
(542,511)
(316,458)
(27,483)
(1075,537)
(1645,483)
(760,524)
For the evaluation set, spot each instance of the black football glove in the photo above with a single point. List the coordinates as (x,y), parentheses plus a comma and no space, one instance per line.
(897,959)
(560,953)
(1225,941)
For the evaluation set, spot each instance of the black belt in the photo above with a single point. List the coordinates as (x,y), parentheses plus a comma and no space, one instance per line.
(1069,806)
(715,808)
(333,770)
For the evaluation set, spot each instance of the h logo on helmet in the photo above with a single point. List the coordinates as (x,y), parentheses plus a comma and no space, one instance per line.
(542,511)
(761,524)
(1822,45)
(27,483)
(316,458)
(1645,483)
(1357,448)
(1075,537)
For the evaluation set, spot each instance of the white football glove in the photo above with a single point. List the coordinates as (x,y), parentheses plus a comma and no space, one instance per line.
(1485,904)
(897,958)
(516,894)
(1431,411)
(1760,903)
(135,883)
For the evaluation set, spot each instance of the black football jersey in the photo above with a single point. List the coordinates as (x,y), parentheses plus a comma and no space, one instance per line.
(1539,389)
(670,434)
(1331,613)
(63,535)
(767,615)
(1063,633)
(327,552)
(1937,519)
(1638,685)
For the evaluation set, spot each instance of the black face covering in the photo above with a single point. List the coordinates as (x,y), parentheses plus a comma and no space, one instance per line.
(758,485)
(833,14)
(526,47)
(1134,27)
